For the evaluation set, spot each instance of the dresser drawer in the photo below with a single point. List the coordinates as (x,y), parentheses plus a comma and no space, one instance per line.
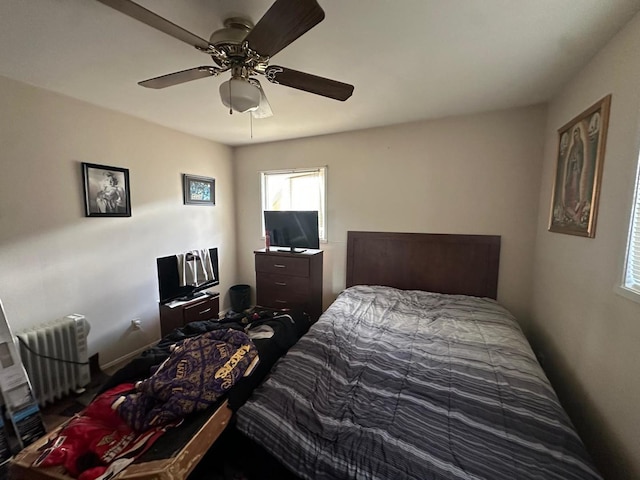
(282,291)
(282,265)
(277,301)
(284,284)
(204,310)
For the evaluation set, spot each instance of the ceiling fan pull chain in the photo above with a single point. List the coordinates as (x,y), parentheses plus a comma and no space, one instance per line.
(251,125)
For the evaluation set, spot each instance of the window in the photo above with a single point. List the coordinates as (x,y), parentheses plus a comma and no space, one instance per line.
(299,189)
(632,264)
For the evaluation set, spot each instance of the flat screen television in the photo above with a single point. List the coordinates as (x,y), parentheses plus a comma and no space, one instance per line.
(169,286)
(296,230)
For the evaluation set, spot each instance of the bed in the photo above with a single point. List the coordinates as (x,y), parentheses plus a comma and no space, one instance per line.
(415,372)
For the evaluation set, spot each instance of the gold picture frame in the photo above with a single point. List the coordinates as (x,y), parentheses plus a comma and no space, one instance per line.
(578,174)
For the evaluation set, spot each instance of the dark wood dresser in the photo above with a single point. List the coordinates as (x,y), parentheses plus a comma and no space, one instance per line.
(205,307)
(290,280)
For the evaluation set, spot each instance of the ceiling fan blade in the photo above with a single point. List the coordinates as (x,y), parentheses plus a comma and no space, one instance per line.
(309,83)
(179,77)
(156,21)
(264,109)
(283,23)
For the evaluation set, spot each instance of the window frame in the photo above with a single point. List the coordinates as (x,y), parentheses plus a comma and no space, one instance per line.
(263,175)
(633,234)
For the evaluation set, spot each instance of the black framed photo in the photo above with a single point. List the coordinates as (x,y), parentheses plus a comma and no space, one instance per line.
(199,190)
(106,191)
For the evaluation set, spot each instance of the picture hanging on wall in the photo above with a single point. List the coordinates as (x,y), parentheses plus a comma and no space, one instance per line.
(106,191)
(581,147)
(199,190)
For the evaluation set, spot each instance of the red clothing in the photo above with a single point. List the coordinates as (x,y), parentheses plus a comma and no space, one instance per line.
(95,438)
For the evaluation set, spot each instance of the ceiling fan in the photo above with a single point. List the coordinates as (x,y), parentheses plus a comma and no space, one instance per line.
(245,50)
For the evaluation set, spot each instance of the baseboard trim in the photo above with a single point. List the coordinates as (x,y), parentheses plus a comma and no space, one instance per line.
(125,358)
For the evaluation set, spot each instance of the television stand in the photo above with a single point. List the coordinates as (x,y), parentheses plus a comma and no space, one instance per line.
(204,307)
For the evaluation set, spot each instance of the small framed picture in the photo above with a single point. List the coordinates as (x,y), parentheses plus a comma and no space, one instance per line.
(199,190)
(106,191)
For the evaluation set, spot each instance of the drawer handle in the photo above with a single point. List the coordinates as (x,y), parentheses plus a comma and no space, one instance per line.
(282,284)
(281,301)
(205,311)
(279,265)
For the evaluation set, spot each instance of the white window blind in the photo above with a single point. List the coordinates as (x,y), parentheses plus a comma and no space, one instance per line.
(632,267)
(298,189)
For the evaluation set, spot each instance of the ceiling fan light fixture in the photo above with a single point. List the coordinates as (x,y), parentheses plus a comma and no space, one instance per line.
(240,95)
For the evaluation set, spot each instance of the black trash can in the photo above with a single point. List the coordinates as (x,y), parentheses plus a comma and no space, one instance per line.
(240,296)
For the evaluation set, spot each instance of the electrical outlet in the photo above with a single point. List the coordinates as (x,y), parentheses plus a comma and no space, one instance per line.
(136,323)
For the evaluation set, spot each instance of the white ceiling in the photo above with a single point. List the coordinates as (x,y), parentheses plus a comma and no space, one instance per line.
(408,59)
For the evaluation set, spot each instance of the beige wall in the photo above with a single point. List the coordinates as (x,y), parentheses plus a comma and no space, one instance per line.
(476,175)
(55,261)
(589,333)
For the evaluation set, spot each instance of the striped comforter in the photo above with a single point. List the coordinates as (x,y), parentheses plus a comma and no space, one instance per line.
(392,384)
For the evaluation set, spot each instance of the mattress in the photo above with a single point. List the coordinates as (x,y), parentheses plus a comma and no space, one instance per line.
(415,385)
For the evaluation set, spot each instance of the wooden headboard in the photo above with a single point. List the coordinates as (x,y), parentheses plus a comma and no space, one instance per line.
(443,263)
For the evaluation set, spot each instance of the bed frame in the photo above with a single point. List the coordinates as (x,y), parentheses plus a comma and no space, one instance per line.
(442,263)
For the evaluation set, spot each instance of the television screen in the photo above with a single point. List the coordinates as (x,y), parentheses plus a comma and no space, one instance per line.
(295,229)
(169,286)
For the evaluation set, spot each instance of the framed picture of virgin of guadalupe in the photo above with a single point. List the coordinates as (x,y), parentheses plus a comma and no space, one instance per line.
(581,147)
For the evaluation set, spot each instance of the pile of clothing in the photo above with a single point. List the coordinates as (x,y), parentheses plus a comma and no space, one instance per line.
(123,421)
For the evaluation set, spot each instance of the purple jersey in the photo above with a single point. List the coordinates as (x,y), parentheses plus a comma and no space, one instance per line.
(195,375)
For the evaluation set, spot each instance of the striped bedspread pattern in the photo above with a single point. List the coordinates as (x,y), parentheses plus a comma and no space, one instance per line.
(392,384)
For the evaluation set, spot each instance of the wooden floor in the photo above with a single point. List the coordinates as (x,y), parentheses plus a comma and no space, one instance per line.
(61,411)
(57,413)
